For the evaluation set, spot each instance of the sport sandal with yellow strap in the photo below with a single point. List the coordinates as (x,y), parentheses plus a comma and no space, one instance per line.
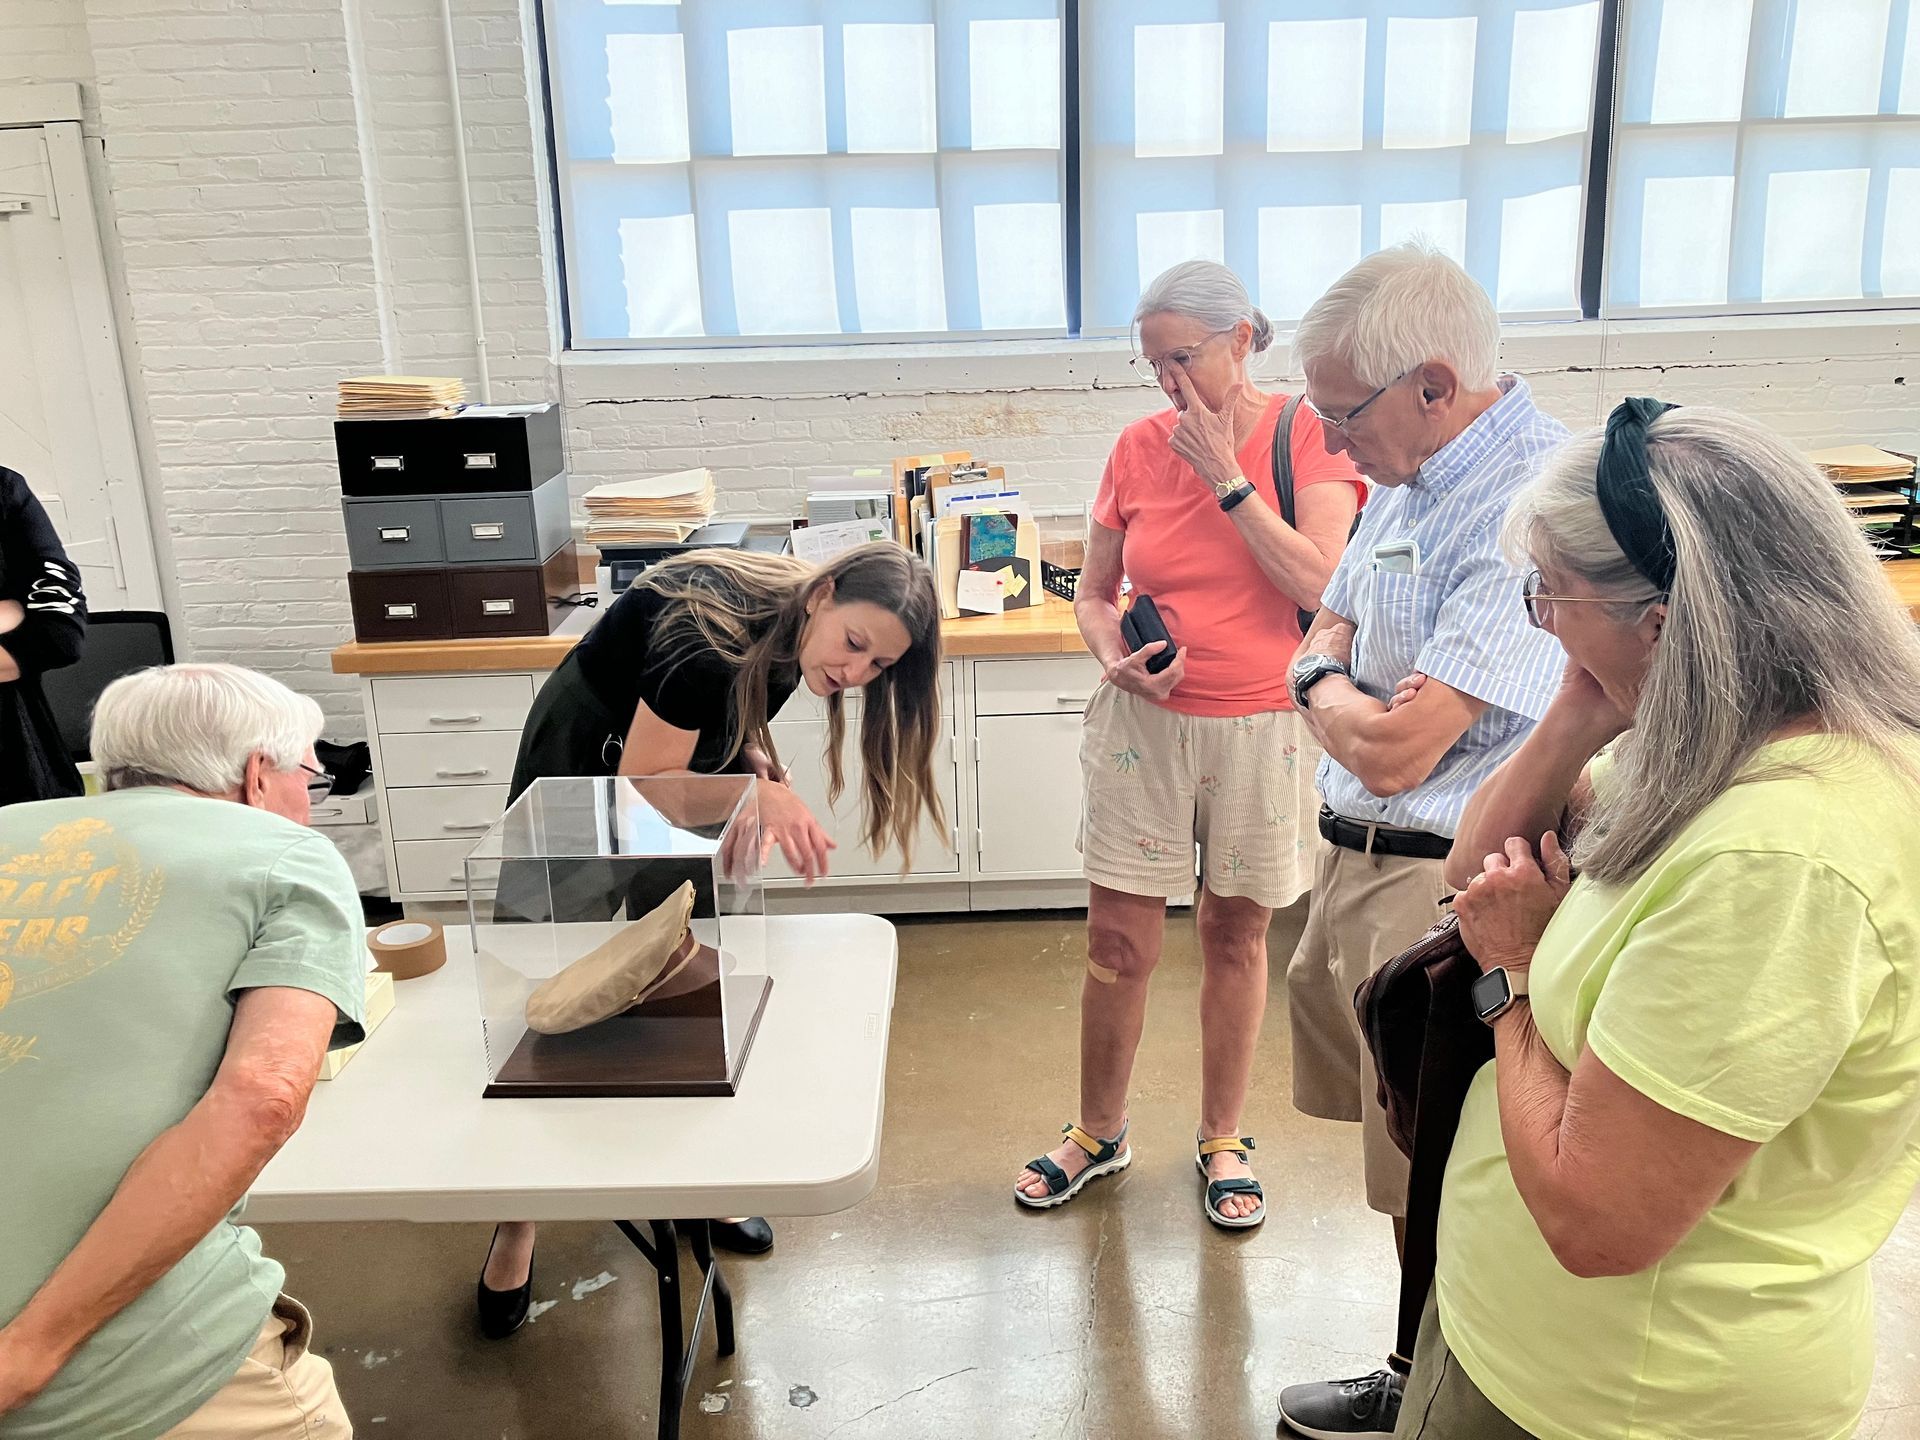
(1106,1158)
(1220,1190)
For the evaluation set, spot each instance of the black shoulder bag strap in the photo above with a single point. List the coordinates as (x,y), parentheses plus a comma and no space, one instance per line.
(1283,479)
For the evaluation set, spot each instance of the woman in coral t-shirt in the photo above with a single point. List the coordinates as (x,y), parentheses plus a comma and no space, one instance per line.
(1203,768)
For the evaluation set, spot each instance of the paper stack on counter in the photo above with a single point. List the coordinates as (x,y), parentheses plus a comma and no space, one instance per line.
(818,544)
(379,1006)
(1851,463)
(651,509)
(1873,482)
(400,397)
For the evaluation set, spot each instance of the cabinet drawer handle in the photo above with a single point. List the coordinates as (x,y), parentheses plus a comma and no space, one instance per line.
(490,530)
(389,462)
(453,719)
(403,612)
(1074,699)
(483,825)
(395,534)
(496,607)
(462,774)
(480,460)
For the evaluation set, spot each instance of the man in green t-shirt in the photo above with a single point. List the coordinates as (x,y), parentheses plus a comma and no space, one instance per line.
(176,956)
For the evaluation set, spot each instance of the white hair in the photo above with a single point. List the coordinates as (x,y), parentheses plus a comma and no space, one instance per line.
(1398,309)
(1207,291)
(1778,613)
(197,726)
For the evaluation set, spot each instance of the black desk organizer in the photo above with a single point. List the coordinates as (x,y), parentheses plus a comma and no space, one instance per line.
(458,527)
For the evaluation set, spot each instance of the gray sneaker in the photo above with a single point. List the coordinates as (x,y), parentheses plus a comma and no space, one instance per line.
(1362,1409)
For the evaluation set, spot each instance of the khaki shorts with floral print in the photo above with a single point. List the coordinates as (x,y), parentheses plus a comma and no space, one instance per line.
(1161,786)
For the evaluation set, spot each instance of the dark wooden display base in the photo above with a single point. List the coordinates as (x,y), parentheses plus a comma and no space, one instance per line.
(666,1047)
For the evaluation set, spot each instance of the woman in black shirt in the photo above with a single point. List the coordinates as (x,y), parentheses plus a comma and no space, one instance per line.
(43,626)
(684,674)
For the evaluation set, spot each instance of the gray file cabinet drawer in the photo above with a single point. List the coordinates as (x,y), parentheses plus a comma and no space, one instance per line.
(382,534)
(502,528)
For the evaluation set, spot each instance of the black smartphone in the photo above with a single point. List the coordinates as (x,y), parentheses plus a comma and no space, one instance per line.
(1141,626)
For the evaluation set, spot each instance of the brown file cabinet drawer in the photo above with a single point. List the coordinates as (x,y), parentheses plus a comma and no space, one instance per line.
(400,605)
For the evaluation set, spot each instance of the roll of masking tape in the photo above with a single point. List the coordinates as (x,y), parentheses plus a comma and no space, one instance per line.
(408,949)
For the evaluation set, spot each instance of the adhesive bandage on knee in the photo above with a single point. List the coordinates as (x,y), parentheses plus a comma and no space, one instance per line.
(1102,973)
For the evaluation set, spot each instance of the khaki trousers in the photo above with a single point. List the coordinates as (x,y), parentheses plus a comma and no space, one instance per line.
(1442,1402)
(1366,909)
(282,1390)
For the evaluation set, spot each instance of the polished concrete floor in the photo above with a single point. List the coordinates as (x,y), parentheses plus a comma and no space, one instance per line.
(936,1309)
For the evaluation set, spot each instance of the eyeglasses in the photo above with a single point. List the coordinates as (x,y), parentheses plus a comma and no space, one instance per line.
(320,787)
(1540,604)
(1149,370)
(1357,411)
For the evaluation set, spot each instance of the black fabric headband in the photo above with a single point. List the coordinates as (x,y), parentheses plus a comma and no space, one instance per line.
(1625,487)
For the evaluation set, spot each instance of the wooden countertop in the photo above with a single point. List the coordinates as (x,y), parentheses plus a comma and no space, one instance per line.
(1905,575)
(1039,630)
(1043,630)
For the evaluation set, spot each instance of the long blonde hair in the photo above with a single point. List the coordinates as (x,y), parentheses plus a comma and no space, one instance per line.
(751,610)
(1778,614)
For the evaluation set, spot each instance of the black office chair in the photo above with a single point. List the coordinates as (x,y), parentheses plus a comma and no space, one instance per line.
(118,643)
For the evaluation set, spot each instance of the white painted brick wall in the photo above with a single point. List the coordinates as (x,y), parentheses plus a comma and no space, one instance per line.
(251,144)
(415,176)
(1051,421)
(43,41)
(234,160)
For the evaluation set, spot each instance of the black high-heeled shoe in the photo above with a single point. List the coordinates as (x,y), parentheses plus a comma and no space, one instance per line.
(502,1311)
(752,1236)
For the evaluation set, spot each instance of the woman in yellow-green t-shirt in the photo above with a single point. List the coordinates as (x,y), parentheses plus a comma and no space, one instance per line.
(1704,1114)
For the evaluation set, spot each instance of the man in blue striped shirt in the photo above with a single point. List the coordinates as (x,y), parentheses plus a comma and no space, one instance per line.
(1419,678)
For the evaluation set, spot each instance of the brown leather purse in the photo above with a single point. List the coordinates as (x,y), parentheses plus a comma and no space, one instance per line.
(1427,1044)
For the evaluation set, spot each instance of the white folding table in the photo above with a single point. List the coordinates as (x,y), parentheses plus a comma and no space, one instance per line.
(404,1134)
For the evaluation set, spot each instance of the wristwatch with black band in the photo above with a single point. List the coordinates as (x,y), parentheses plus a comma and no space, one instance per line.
(1308,671)
(1232,490)
(1497,992)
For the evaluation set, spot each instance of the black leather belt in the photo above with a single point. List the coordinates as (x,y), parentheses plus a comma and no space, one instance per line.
(1381,840)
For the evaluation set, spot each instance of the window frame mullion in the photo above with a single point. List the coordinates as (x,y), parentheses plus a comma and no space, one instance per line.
(1070,153)
(1599,186)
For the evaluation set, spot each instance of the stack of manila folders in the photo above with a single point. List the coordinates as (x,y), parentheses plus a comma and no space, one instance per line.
(651,509)
(400,397)
(1871,480)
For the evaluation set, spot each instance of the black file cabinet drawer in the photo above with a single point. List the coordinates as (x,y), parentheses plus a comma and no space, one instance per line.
(469,454)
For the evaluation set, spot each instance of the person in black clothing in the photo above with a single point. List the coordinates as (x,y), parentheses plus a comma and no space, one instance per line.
(683,674)
(43,626)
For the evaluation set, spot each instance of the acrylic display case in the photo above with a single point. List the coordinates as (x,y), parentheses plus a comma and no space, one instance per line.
(619,936)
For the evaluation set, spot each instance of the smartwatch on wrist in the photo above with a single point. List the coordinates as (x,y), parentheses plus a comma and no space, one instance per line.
(1308,671)
(1497,992)
(1231,491)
